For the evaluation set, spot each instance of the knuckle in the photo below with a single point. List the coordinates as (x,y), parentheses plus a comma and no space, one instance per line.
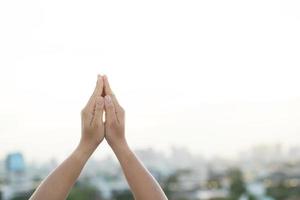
(84,112)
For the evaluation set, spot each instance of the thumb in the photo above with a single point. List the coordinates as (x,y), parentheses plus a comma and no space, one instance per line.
(110,112)
(98,117)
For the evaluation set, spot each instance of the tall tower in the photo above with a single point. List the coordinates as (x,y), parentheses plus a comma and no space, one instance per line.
(15,167)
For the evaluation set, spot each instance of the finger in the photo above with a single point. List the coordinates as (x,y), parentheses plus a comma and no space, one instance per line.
(108,91)
(98,117)
(97,92)
(107,88)
(110,112)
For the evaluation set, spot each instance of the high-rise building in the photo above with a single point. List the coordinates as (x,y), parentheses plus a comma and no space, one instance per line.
(15,163)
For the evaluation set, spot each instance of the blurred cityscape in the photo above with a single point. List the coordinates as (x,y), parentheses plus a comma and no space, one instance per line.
(264,172)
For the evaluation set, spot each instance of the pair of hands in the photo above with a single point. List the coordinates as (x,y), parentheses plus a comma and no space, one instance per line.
(94,128)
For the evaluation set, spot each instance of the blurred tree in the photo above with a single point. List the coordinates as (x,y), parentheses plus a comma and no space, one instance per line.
(283,191)
(172,184)
(77,193)
(251,197)
(83,193)
(237,185)
(24,196)
(123,195)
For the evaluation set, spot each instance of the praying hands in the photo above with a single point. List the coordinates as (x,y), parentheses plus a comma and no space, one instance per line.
(94,130)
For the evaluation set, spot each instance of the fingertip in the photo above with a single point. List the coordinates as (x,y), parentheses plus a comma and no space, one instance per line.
(105,80)
(107,88)
(100,83)
(100,79)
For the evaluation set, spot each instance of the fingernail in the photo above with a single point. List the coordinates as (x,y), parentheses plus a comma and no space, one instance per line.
(99,76)
(108,99)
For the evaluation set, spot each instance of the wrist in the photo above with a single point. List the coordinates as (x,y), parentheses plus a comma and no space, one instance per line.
(84,151)
(120,147)
(117,143)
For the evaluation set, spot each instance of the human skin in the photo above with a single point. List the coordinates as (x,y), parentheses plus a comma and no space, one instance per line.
(142,183)
(58,184)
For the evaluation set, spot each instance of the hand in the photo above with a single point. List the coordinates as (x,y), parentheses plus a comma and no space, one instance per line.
(114,117)
(91,117)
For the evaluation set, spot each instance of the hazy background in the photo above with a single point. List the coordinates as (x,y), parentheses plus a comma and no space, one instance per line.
(213,76)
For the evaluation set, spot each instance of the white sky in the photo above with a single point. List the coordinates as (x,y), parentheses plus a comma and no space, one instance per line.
(213,76)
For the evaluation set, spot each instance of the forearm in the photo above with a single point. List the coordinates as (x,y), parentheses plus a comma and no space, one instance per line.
(141,182)
(58,184)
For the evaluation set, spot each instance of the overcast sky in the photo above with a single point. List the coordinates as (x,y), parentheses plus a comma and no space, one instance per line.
(213,76)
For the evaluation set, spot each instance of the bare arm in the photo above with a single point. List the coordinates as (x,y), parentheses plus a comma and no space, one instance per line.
(58,184)
(141,182)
